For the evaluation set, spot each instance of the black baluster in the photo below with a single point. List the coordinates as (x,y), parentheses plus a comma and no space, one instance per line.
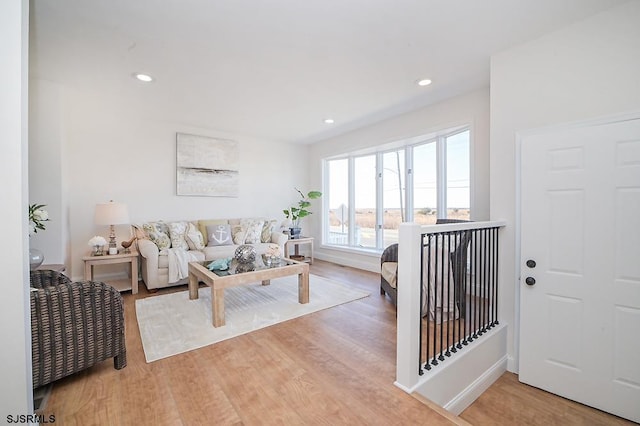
(447,237)
(497,272)
(435,298)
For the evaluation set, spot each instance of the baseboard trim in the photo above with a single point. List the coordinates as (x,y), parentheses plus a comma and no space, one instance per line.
(465,398)
(456,384)
(346,261)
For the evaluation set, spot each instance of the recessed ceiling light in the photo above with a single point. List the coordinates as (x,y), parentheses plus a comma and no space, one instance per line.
(329,121)
(143,77)
(424,82)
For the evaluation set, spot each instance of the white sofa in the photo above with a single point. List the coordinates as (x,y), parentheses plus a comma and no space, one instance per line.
(154,256)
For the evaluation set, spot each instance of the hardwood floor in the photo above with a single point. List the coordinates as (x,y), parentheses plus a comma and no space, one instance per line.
(518,404)
(336,366)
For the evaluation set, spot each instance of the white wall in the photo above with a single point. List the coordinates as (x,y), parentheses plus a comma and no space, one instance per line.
(471,109)
(586,70)
(110,151)
(45,161)
(15,357)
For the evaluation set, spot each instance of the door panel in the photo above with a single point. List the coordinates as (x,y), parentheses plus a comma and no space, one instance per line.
(580,222)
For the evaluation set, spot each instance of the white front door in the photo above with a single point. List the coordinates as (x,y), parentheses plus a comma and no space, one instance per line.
(580,303)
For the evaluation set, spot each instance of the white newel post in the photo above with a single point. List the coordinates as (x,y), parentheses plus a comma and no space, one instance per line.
(408,321)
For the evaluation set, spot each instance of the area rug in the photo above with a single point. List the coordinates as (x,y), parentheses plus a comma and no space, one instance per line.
(171,324)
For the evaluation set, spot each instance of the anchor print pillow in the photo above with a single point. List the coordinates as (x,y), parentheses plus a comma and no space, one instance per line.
(219,235)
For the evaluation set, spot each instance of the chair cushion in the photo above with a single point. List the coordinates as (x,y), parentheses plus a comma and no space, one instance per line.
(389,271)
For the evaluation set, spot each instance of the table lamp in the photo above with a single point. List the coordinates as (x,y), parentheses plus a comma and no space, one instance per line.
(112,214)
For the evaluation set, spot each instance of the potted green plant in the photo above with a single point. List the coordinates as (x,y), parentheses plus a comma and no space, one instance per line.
(295,213)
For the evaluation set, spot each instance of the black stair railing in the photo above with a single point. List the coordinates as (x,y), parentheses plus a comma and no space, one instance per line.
(459,291)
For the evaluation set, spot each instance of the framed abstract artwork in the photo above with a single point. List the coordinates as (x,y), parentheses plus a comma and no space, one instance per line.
(206,166)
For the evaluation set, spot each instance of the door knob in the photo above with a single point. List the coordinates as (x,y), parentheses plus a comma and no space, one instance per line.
(530,281)
(531,263)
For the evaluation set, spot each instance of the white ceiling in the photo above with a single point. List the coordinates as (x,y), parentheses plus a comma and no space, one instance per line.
(275,69)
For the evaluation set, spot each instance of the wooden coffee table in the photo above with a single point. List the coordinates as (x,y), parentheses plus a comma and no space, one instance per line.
(199,272)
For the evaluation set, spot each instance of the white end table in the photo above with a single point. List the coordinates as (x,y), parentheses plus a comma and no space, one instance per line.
(296,243)
(111,259)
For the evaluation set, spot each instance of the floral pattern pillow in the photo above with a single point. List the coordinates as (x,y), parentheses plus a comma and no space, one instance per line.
(177,232)
(158,233)
(254,230)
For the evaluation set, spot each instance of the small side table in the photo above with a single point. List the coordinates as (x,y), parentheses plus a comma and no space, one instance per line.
(111,259)
(296,243)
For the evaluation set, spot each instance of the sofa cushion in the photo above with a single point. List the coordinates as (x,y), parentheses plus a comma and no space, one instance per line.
(158,232)
(219,252)
(177,233)
(219,235)
(202,226)
(194,237)
(163,259)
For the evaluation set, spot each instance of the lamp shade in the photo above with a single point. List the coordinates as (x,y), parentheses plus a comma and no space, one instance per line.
(111,214)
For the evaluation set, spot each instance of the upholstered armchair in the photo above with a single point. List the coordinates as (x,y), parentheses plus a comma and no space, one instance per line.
(74,325)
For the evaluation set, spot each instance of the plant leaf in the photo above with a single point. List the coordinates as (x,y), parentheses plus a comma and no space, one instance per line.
(314,194)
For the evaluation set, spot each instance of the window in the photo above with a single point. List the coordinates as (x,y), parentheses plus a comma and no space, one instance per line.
(425,184)
(338,195)
(420,182)
(458,191)
(364,177)
(393,195)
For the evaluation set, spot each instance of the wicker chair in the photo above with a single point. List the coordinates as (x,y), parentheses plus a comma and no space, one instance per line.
(458,266)
(74,325)
(390,258)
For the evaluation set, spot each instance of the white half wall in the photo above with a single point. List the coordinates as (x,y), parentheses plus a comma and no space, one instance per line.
(16,396)
(468,109)
(104,150)
(587,70)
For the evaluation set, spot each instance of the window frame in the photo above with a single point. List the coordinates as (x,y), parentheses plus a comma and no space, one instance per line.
(439,138)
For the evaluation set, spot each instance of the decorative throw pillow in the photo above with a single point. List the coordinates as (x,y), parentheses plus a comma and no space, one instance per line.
(267,230)
(194,237)
(139,233)
(238,234)
(254,230)
(158,234)
(177,232)
(158,226)
(219,235)
(202,226)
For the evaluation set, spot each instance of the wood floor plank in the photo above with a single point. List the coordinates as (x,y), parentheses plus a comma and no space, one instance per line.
(518,403)
(333,367)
